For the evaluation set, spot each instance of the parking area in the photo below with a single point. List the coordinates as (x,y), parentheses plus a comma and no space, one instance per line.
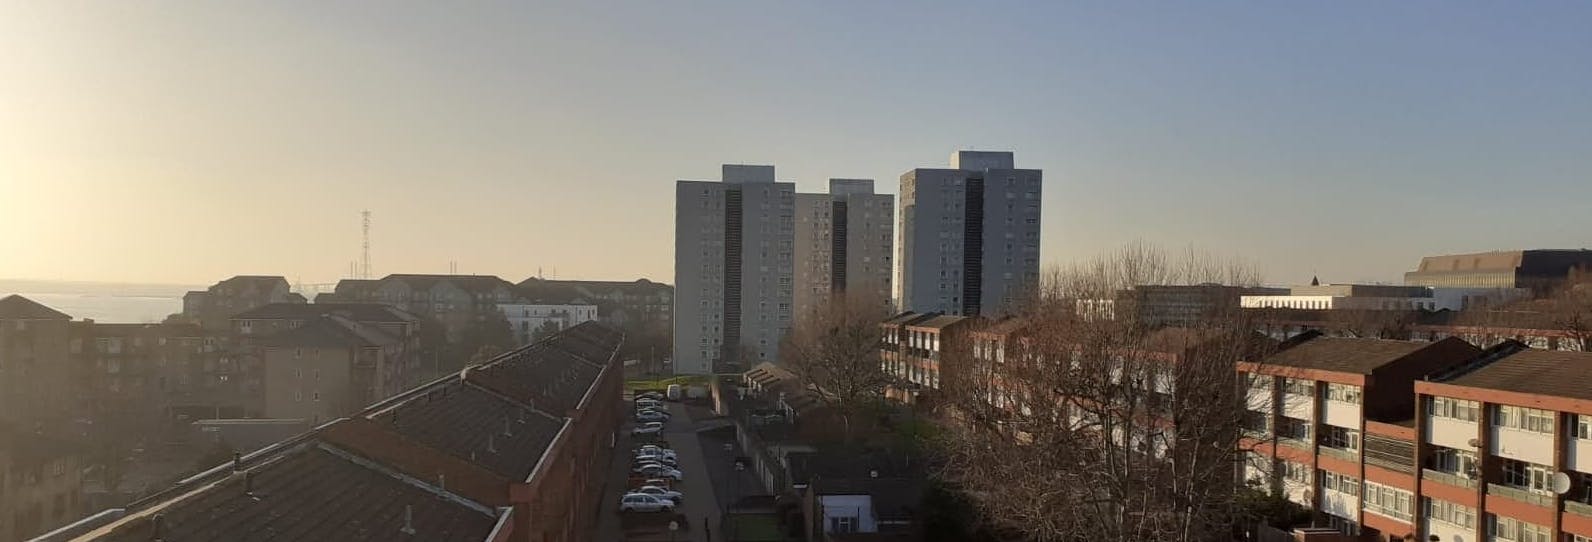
(694,517)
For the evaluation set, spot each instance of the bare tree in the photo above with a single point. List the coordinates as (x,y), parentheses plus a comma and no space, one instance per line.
(1104,429)
(834,350)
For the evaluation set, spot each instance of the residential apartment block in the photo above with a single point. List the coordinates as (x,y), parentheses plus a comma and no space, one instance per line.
(970,235)
(213,307)
(913,347)
(514,450)
(456,301)
(844,244)
(734,269)
(35,364)
(619,303)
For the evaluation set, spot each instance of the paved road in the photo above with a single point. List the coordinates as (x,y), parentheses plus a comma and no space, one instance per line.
(700,502)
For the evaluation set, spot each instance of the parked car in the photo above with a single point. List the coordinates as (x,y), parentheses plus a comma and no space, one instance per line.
(650,395)
(655,450)
(642,403)
(662,493)
(641,502)
(654,470)
(652,417)
(644,459)
(649,428)
(665,483)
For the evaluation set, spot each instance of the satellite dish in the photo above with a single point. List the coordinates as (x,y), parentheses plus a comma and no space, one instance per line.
(1561,483)
(1474,443)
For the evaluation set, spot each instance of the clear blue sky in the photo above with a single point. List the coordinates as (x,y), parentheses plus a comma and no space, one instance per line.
(187,141)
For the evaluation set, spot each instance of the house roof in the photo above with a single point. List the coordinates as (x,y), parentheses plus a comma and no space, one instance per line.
(128,330)
(639,287)
(311,492)
(1345,355)
(1543,372)
(906,317)
(329,331)
(544,376)
(359,312)
(16,307)
(471,283)
(476,425)
(257,281)
(939,322)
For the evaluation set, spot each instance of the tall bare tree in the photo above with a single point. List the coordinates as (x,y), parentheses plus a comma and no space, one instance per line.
(1104,429)
(834,350)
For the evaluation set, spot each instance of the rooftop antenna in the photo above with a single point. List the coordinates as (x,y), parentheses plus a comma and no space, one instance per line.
(364,262)
(409,520)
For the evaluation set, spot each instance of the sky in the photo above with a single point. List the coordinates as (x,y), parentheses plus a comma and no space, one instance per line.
(184,142)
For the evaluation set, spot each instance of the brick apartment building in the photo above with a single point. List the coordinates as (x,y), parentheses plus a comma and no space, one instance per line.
(912,347)
(513,450)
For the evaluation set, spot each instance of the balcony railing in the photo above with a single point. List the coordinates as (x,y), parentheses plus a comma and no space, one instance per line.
(1521,495)
(1578,508)
(1340,453)
(1448,478)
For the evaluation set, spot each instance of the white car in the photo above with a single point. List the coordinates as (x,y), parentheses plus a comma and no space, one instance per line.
(649,428)
(652,417)
(641,502)
(654,470)
(644,403)
(650,395)
(661,493)
(651,450)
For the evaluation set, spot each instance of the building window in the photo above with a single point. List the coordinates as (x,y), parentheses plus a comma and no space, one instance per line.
(1450,513)
(1296,472)
(1453,461)
(1529,419)
(1338,437)
(1528,476)
(1388,501)
(1299,386)
(1583,426)
(1459,409)
(1514,530)
(1346,393)
(1341,483)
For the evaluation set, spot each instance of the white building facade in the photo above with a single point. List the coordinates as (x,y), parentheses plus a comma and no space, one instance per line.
(969,235)
(733,268)
(526,318)
(844,244)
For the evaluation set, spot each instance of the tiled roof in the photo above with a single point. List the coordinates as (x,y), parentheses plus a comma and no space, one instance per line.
(359,312)
(1361,356)
(907,317)
(639,287)
(16,307)
(476,425)
(542,376)
(1542,372)
(308,493)
(331,332)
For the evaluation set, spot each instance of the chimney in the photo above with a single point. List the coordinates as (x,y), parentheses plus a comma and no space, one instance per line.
(237,461)
(508,427)
(248,485)
(491,444)
(409,520)
(442,482)
(157,524)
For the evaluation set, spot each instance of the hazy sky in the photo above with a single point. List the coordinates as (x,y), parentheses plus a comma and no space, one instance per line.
(186,142)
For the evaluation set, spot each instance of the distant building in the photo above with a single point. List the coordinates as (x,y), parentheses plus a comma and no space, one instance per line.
(456,301)
(41,480)
(912,348)
(214,307)
(844,243)
(618,303)
(1377,297)
(529,318)
(35,365)
(136,378)
(1171,305)
(733,269)
(329,366)
(969,235)
(1538,270)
